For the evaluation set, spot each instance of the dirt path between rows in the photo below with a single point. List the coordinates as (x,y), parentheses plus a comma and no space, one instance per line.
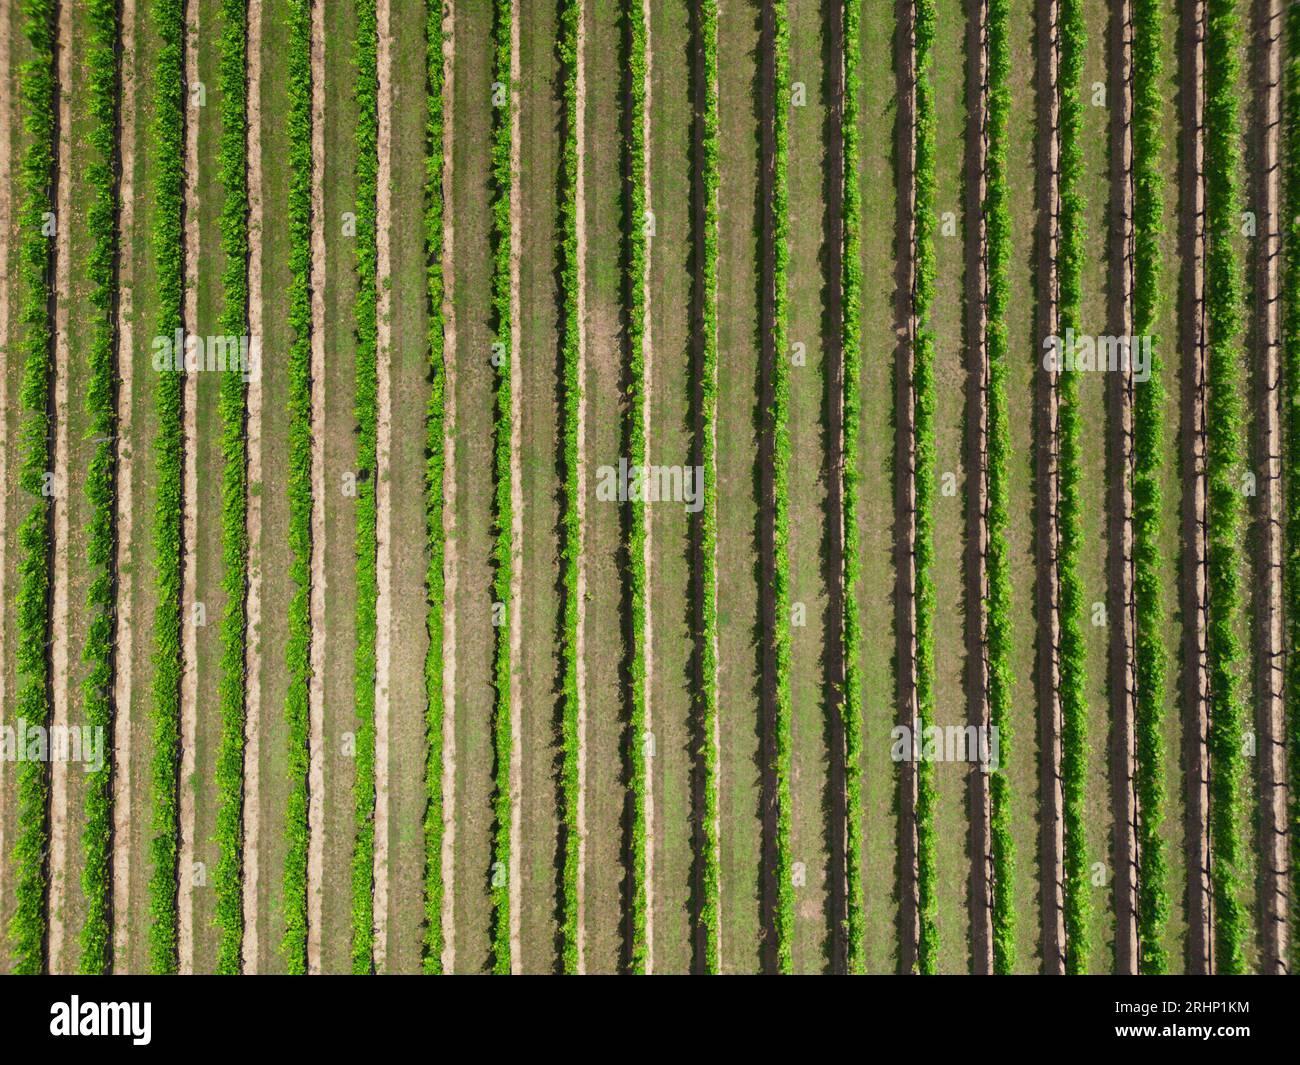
(383,485)
(1121,460)
(1051,872)
(253,516)
(1269,682)
(316,693)
(976,444)
(516,503)
(647,353)
(1195,570)
(838,596)
(580,638)
(6,294)
(907,870)
(125,530)
(189,633)
(450,550)
(59,890)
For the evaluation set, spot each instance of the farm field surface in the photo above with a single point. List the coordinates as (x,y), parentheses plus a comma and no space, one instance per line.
(649,486)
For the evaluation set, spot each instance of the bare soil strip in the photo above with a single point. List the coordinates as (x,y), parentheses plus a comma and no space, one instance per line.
(980,839)
(449,508)
(316,697)
(1273,856)
(647,375)
(6,294)
(189,495)
(838,596)
(253,429)
(909,911)
(383,481)
(1052,838)
(1120,565)
(123,637)
(580,642)
(516,506)
(59,890)
(1195,602)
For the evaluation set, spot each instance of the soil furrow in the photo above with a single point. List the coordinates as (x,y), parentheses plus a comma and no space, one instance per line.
(253,429)
(189,496)
(450,553)
(59,889)
(383,477)
(1195,601)
(1273,867)
(1120,564)
(316,705)
(1052,842)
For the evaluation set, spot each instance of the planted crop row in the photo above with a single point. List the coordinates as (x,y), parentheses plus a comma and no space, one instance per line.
(1001,673)
(851,701)
(367,416)
(780,419)
(923,398)
(435,469)
(1291,426)
(635,286)
(1074,705)
(229,877)
(502,185)
(1224,429)
(298,646)
(709,177)
(169,254)
(101,477)
(569,18)
(1148,445)
(38,97)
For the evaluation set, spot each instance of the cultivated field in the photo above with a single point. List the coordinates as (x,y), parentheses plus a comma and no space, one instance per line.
(649,486)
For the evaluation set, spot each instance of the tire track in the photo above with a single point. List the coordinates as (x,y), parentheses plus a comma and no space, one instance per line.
(316,695)
(253,603)
(59,891)
(580,641)
(908,869)
(1195,597)
(1052,840)
(1270,683)
(450,552)
(647,352)
(980,846)
(383,485)
(1120,565)
(189,497)
(124,458)
(516,505)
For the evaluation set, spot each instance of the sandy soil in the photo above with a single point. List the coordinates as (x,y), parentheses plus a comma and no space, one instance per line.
(316,699)
(1270,651)
(449,515)
(58,858)
(189,493)
(647,351)
(383,485)
(580,215)
(253,517)
(122,650)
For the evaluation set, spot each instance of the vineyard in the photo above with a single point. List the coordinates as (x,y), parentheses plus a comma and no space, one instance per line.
(649,486)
